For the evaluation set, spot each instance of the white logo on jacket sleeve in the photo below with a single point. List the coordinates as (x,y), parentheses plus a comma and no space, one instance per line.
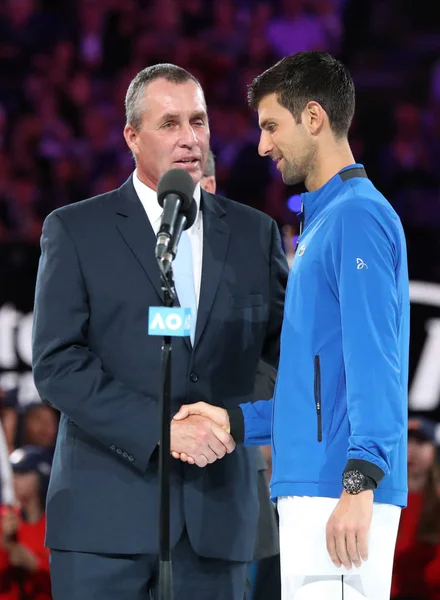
(302,250)
(361,264)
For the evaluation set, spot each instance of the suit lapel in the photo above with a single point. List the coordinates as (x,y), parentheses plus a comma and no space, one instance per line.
(134,226)
(215,245)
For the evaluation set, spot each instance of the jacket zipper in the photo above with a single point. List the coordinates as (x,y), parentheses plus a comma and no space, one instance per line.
(317,391)
(273,417)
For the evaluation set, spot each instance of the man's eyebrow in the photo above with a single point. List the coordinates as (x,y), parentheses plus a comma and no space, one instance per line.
(200,114)
(264,123)
(169,117)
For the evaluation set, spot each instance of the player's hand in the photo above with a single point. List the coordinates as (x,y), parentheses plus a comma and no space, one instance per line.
(348,527)
(217,415)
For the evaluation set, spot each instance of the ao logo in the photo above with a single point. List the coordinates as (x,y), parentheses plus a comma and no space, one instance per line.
(16,353)
(169,321)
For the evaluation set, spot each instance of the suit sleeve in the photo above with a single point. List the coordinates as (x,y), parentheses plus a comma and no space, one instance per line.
(67,374)
(251,423)
(364,254)
(279,272)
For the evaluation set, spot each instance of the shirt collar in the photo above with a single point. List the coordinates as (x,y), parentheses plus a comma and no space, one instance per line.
(148,198)
(313,201)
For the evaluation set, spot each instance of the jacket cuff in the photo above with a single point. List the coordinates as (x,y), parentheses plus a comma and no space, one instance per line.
(236,424)
(366,468)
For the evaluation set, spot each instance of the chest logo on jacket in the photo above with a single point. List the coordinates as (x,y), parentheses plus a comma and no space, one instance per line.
(360,264)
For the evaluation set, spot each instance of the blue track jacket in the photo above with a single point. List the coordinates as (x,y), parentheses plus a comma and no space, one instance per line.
(341,391)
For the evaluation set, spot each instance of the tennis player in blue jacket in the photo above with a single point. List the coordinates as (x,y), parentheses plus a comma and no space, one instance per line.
(338,419)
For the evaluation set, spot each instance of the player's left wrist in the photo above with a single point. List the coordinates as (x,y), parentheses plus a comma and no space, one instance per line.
(363,469)
(355,482)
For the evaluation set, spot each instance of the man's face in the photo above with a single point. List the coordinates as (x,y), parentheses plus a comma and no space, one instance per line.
(283,139)
(174,131)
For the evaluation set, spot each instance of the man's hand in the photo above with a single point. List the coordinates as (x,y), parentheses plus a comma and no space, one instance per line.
(198,440)
(347,529)
(216,414)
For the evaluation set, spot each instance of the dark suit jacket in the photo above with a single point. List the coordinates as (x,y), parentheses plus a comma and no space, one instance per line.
(94,361)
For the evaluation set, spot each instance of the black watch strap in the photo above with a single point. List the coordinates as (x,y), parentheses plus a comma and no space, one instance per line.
(370,470)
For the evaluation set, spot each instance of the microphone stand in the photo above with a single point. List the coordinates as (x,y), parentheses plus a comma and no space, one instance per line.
(165,564)
(169,298)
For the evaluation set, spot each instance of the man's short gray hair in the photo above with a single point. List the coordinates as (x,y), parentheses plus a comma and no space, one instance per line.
(210,165)
(136,89)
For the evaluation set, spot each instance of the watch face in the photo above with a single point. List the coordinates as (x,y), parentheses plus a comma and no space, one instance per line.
(353,482)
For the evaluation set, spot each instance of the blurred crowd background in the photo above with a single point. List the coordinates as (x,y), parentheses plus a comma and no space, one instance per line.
(65,66)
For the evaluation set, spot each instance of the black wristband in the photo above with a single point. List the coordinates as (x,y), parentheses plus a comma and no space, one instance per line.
(368,469)
(236,424)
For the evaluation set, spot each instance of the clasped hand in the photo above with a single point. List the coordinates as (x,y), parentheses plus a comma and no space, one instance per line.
(200,434)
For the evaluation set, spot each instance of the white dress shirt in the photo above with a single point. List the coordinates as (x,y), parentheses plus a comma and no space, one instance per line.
(148,198)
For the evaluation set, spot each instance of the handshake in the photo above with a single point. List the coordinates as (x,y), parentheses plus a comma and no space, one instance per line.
(200,434)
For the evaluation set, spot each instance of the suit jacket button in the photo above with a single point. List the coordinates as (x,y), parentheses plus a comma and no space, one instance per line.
(112,447)
(130,458)
(118,450)
(125,454)
(194,377)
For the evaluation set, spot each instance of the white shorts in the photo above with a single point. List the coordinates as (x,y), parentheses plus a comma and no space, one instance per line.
(304,556)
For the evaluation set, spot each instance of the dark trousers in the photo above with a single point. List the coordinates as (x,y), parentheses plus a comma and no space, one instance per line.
(84,576)
(267,582)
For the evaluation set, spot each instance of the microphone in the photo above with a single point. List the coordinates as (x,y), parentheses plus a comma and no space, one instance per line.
(184,221)
(175,194)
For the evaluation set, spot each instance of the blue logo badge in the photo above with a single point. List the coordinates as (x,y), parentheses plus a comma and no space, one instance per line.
(175,322)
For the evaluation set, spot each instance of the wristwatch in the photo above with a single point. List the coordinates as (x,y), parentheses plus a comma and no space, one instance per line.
(354,482)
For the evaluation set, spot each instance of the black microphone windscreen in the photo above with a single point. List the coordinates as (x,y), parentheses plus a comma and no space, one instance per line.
(176,181)
(190,214)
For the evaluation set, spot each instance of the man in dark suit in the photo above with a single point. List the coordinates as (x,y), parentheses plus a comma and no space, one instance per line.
(94,361)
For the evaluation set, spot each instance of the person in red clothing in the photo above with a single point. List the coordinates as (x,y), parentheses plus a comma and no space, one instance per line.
(416,574)
(24,561)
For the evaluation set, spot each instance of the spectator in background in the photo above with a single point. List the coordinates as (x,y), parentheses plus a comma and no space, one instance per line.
(40,424)
(224,39)
(24,561)
(297,29)
(416,573)
(23,208)
(410,168)
(208,182)
(249,174)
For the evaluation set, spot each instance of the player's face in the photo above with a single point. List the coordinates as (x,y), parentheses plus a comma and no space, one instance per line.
(285,141)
